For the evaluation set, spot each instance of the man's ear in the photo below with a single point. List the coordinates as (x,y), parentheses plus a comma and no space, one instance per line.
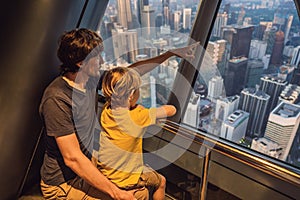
(79,64)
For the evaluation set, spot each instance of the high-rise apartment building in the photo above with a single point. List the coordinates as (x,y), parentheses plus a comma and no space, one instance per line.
(282,126)
(216,50)
(220,22)
(225,106)
(273,86)
(213,50)
(255,102)
(192,113)
(295,56)
(215,88)
(290,94)
(258,49)
(235,126)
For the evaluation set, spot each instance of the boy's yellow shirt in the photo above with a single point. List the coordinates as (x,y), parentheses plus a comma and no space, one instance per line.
(120,154)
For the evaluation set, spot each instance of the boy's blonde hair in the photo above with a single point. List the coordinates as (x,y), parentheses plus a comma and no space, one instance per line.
(118,84)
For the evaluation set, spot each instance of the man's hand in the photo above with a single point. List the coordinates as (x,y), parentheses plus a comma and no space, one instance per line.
(125,195)
(187,52)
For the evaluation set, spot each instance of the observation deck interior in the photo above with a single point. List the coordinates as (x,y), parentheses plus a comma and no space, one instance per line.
(236,133)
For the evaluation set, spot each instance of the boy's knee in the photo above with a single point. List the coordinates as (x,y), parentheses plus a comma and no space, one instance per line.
(142,194)
(163,181)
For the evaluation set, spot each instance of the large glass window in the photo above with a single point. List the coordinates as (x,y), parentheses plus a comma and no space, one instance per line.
(134,30)
(250,97)
(253,99)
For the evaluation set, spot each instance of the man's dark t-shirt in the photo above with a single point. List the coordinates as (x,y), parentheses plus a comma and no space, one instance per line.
(64,111)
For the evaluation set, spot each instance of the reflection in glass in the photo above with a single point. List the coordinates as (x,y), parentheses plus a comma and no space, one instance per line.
(134,30)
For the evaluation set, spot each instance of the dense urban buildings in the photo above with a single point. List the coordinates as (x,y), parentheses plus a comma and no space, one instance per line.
(254,75)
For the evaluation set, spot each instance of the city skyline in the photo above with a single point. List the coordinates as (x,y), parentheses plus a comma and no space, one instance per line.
(253,48)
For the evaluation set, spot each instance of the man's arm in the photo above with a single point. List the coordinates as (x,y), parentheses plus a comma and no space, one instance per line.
(144,66)
(83,167)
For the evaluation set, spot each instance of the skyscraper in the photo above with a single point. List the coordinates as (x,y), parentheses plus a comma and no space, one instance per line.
(241,16)
(266,60)
(282,126)
(177,17)
(140,7)
(213,50)
(283,21)
(273,86)
(263,26)
(235,126)
(148,22)
(296,56)
(235,75)
(222,49)
(254,72)
(125,43)
(215,88)
(225,106)
(254,102)
(240,39)
(166,12)
(124,13)
(260,30)
(269,36)
(227,8)
(258,49)
(219,23)
(276,56)
(187,17)
(216,50)
(191,114)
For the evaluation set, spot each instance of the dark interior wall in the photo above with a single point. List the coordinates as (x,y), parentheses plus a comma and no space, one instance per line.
(28,38)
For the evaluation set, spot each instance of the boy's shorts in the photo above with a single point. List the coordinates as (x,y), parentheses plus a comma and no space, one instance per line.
(149,179)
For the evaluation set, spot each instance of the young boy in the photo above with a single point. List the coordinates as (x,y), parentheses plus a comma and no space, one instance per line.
(124,123)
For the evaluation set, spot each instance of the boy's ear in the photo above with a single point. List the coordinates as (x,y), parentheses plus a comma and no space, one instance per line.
(131,95)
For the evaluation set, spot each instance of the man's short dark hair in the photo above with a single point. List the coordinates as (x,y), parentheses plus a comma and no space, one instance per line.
(75,46)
